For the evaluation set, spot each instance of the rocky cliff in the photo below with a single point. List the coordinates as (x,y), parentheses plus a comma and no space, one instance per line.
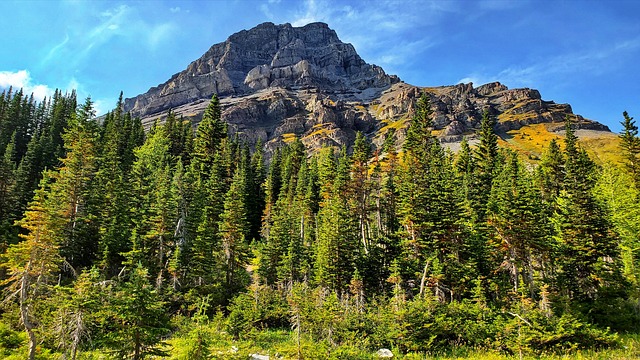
(267,56)
(278,82)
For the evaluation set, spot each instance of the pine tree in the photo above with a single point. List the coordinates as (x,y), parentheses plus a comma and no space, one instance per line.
(630,144)
(589,248)
(361,187)
(138,315)
(519,224)
(71,187)
(209,134)
(112,205)
(429,208)
(32,263)
(234,228)
(7,198)
(336,246)
(155,207)
(79,312)
(204,209)
(551,172)
(485,160)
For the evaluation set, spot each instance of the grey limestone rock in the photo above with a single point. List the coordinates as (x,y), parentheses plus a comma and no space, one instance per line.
(263,57)
(278,82)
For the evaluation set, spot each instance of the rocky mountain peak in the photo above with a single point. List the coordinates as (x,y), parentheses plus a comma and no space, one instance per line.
(267,56)
(280,82)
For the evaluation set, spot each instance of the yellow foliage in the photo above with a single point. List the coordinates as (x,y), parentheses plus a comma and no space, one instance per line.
(289,137)
(533,140)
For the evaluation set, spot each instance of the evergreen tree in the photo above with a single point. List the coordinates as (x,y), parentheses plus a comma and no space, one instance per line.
(32,262)
(139,319)
(7,198)
(551,172)
(485,161)
(589,256)
(429,209)
(630,144)
(234,228)
(204,208)
(209,135)
(336,246)
(72,184)
(155,207)
(519,223)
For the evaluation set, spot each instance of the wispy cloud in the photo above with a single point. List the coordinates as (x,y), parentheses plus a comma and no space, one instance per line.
(312,13)
(22,80)
(120,22)
(392,34)
(595,61)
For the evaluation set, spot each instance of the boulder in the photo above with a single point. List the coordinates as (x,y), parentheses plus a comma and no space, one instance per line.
(384,353)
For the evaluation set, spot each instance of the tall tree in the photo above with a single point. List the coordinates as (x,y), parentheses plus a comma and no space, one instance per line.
(154,205)
(71,187)
(32,262)
(209,134)
(589,248)
(630,144)
(138,315)
(234,228)
(520,225)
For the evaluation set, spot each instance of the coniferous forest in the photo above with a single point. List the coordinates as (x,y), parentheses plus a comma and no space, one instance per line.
(186,243)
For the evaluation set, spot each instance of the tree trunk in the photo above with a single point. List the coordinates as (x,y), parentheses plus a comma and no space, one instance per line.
(424,278)
(24,313)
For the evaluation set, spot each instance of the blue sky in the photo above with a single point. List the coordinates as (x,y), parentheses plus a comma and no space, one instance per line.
(580,52)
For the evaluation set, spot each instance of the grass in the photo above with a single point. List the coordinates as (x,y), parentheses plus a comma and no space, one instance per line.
(399,124)
(533,140)
(504,117)
(282,344)
(288,137)
(318,132)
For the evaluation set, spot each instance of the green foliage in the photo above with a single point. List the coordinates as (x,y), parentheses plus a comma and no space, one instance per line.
(138,317)
(332,256)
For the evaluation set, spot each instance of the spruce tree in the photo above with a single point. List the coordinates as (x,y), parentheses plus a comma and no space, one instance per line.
(32,263)
(233,233)
(70,192)
(630,145)
(209,134)
(154,205)
(138,317)
(589,253)
(519,224)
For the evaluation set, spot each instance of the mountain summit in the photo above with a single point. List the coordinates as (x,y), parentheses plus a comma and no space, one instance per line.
(278,82)
(267,56)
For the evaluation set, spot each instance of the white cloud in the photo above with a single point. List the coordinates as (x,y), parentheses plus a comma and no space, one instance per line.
(266,10)
(101,106)
(22,80)
(595,61)
(120,23)
(175,9)
(393,35)
(157,34)
(312,13)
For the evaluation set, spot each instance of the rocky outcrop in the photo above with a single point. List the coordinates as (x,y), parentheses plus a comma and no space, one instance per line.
(278,82)
(267,56)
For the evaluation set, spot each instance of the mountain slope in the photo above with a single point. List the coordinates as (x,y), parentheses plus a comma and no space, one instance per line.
(278,81)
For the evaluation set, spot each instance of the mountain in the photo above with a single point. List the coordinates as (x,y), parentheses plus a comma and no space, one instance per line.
(277,82)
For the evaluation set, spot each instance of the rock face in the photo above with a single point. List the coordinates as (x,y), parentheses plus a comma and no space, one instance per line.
(266,56)
(278,82)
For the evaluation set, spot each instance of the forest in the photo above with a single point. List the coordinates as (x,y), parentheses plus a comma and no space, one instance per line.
(187,243)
